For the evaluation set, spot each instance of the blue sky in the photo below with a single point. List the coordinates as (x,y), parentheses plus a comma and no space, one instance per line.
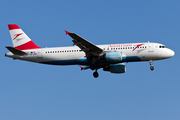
(42,92)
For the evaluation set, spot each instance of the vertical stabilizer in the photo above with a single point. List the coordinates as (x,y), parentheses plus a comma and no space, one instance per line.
(20,40)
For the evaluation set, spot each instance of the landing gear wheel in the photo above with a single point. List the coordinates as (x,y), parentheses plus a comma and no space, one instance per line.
(152,68)
(150,62)
(95,74)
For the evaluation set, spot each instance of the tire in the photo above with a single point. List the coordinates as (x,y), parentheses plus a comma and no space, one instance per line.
(95,74)
(152,68)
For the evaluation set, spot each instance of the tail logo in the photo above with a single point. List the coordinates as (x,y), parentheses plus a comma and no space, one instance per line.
(16,35)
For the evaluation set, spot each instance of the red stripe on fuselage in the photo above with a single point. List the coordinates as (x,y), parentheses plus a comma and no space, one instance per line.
(28,45)
(137,46)
(13,26)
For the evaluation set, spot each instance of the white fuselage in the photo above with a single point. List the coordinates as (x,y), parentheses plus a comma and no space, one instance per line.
(131,52)
(109,57)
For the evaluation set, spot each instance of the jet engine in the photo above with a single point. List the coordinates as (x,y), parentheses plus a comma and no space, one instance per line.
(116,68)
(114,57)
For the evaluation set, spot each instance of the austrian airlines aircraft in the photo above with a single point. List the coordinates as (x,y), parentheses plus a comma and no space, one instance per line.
(109,57)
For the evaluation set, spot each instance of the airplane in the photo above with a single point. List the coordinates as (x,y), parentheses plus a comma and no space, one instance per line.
(110,57)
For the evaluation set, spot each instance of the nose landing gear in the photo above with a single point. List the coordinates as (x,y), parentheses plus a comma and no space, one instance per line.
(152,68)
(150,62)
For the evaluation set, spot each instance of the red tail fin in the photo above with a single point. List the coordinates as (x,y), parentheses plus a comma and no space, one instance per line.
(20,40)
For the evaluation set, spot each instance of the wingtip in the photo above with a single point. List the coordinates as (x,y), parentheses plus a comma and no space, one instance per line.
(81,67)
(67,32)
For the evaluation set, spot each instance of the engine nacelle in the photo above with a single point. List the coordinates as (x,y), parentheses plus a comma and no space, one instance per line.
(113,56)
(116,68)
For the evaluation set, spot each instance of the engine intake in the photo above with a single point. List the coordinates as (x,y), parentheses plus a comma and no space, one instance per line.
(113,56)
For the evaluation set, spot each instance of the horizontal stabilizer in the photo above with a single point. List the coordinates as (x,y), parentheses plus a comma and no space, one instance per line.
(15,51)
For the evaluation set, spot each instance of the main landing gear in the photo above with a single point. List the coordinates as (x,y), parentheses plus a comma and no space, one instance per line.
(150,62)
(94,67)
(95,74)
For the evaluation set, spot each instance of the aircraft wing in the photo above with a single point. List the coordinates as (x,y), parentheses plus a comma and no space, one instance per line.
(89,48)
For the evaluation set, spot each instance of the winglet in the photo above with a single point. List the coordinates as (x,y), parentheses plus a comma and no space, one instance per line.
(67,32)
(81,67)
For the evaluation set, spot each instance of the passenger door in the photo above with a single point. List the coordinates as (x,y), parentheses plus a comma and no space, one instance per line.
(150,47)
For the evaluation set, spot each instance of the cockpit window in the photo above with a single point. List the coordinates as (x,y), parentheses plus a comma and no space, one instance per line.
(161,46)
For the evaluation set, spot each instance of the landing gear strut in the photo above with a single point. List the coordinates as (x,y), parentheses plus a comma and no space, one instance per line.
(92,66)
(95,74)
(150,62)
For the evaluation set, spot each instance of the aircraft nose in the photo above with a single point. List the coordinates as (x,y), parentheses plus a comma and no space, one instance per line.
(171,52)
